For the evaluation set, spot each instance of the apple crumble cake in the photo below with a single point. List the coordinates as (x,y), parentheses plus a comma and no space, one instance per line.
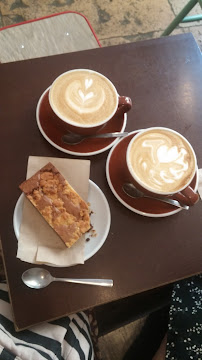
(59,204)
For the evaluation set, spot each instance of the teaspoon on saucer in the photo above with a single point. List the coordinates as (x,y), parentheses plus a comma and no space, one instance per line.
(74,139)
(38,278)
(133,192)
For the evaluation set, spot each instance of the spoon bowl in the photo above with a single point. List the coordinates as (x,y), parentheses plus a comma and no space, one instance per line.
(135,193)
(38,278)
(74,139)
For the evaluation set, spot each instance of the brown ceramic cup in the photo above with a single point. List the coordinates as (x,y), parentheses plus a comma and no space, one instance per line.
(86,100)
(160,161)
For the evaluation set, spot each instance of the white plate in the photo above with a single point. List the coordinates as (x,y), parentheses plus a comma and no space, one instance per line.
(100,219)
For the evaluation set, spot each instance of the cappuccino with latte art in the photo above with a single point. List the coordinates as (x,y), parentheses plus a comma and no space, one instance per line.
(83,98)
(161,160)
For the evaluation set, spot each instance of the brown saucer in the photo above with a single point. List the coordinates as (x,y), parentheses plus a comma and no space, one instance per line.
(116,172)
(53,129)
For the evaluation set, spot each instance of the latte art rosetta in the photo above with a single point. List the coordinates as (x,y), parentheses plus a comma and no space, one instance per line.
(162,160)
(83,97)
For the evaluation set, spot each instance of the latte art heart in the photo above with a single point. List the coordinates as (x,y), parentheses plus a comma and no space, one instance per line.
(83,100)
(88,83)
(162,160)
(83,97)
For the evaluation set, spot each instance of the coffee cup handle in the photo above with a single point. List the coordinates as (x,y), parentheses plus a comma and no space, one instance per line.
(125,104)
(187,196)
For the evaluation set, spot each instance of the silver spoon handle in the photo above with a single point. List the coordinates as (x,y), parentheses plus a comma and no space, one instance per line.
(99,282)
(109,135)
(170,201)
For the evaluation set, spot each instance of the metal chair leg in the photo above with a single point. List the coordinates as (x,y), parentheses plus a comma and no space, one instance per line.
(188,7)
(194,17)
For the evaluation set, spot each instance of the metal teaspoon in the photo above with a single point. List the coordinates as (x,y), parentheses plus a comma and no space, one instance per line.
(74,139)
(38,278)
(133,192)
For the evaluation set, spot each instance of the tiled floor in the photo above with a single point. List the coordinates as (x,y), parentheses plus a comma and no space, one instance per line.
(115,22)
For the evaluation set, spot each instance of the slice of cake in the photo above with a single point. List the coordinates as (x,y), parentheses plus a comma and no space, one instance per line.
(60,205)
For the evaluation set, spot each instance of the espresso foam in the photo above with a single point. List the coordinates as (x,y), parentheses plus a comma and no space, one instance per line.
(162,161)
(83,97)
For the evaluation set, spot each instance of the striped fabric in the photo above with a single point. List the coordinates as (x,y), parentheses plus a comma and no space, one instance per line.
(65,339)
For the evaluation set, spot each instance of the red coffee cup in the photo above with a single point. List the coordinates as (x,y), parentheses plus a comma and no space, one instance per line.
(86,100)
(160,161)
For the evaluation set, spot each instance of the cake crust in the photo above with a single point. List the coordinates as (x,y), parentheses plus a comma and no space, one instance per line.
(59,204)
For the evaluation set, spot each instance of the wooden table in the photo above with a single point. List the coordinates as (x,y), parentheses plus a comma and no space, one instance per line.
(164,79)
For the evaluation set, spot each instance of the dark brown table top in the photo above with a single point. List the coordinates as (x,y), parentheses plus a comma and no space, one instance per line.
(164,79)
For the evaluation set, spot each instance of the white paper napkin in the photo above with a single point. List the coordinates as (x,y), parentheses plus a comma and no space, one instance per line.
(38,242)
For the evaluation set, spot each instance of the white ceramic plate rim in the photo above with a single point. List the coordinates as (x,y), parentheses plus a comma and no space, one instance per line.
(69,151)
(100,207)
(127,205)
